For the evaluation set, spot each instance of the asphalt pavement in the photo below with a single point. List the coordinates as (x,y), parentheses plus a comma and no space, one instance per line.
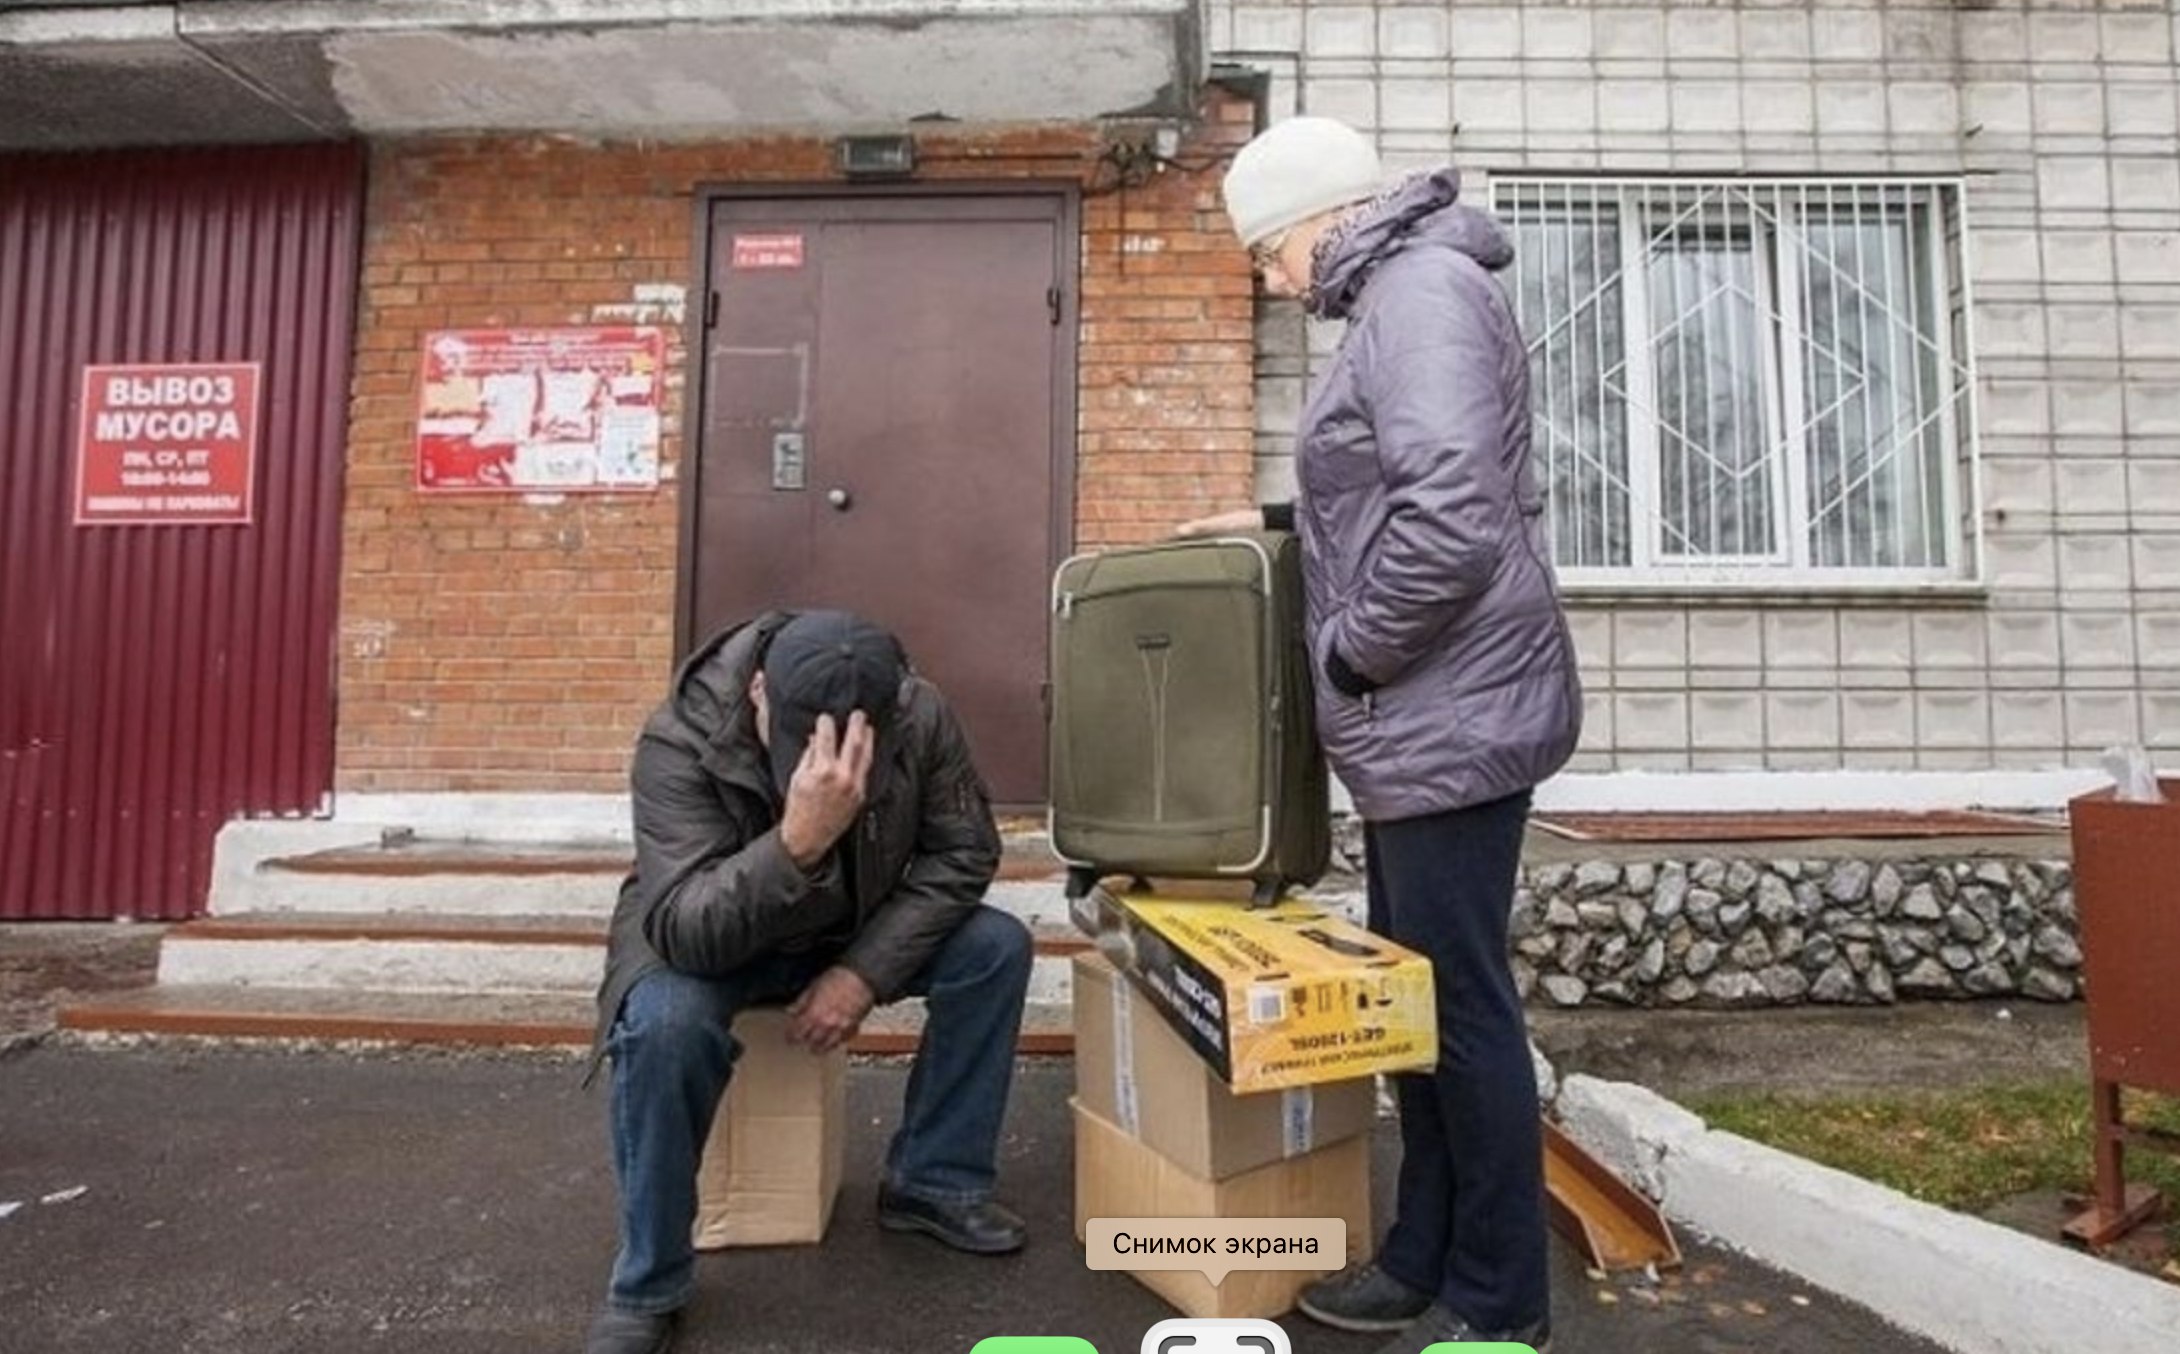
(247,1200)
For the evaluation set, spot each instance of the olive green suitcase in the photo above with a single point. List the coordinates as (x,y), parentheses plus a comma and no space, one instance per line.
(1182,737)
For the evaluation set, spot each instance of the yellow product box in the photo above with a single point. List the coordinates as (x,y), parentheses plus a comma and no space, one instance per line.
(1273,997)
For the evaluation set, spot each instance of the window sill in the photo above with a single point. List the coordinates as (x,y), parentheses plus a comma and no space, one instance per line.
(1962,595)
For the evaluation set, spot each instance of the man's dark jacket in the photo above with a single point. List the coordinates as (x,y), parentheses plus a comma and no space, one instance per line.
(713,889)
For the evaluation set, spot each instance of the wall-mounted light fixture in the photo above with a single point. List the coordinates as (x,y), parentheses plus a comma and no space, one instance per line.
(876,157)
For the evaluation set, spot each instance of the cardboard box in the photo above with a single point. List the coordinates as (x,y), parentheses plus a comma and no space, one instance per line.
(1289,995)
(1119,1177)
(1135,1072)
(771,1168)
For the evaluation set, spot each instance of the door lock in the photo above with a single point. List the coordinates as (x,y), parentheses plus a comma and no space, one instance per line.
(788,460)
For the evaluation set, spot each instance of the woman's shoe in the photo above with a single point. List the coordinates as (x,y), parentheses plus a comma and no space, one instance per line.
(1363,1298)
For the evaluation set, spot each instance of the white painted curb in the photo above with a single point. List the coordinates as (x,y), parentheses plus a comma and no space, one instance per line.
(1970,1285)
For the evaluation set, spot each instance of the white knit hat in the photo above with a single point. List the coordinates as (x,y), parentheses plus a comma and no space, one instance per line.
(1298,169)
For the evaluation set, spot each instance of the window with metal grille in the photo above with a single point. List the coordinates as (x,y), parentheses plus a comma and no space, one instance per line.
(1748,382)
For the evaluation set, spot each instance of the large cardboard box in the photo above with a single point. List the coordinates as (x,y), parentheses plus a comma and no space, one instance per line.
(1135,1072)
(771,1168)
(1118,1177)
(1288,995)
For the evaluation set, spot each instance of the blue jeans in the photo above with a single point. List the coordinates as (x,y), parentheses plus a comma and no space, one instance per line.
(673,1051)
(1470,1226)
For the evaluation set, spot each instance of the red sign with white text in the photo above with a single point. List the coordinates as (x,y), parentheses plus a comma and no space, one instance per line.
(167,443)
(767,251)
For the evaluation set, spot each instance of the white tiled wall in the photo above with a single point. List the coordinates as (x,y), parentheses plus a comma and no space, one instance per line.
(2065,115)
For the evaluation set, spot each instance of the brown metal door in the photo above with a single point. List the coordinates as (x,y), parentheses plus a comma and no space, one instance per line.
(887,426)
(156,680)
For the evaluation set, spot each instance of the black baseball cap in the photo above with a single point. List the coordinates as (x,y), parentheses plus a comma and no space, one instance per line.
(828,663)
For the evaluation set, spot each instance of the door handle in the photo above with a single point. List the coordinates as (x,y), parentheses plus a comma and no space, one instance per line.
(841,499)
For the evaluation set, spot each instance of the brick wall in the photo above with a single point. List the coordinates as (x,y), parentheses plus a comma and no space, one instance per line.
(504,644)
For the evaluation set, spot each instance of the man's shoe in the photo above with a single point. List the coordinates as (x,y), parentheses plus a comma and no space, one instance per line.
(1363,1298)
(619,1331)
(1439,1326)
(982,1228)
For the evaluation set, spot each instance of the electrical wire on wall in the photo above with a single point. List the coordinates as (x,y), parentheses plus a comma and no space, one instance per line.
(1121,166)
(1125,165)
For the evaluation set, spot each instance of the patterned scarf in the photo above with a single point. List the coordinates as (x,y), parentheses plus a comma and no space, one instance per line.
(1333,242)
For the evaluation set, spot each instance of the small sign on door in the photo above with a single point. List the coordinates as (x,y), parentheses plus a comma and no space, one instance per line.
(768,251)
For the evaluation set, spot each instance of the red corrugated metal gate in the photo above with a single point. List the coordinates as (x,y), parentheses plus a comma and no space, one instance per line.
(156,680)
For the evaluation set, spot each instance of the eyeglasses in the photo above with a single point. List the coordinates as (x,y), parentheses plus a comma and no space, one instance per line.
(1265,253)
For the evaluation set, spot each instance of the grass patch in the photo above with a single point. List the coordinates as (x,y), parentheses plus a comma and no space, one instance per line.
(1965,1150)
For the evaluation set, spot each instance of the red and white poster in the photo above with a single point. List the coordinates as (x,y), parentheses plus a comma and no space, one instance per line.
(167,443)
(572,410)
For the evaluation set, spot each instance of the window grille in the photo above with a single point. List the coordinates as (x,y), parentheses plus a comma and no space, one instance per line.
(1751,381)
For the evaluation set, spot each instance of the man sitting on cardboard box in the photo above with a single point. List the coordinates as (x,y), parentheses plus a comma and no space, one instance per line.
(809,830)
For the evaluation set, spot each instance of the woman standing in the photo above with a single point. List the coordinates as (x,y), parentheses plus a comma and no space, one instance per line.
(1447,685)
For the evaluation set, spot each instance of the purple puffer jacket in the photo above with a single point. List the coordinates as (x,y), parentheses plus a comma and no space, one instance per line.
(1421,522)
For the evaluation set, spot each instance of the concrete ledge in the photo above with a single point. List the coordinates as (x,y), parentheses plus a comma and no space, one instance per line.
(1965,1283)
(242,887)
(245,845)
(397,962)
(241,882)
(541,817)
(1812,791)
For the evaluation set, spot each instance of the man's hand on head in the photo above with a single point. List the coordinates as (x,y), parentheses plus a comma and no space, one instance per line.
(827,791)
(830,1010)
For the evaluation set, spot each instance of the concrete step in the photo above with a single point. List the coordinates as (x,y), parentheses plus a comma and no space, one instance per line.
(406,952)
(495,878)
(257,874)
(387,952)
(459,877)
(561,1020)
(331,930)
